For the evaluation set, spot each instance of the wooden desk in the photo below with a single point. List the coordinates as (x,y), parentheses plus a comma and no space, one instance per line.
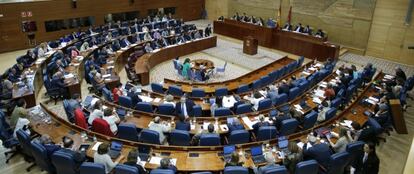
(294,43)
(150,60)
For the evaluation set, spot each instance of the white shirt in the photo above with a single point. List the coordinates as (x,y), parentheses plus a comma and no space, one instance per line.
(112,123)
(172,103)
(228,101)
(104,159)
(95,114)
(160,128)
(255,102)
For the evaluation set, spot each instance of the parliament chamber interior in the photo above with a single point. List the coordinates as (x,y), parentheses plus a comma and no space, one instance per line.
(206,86)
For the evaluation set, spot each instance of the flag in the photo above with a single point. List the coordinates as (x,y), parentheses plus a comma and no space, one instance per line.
(279,14)
(290,14)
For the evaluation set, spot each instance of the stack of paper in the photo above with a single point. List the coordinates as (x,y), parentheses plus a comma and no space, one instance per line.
(320,93)
(247,121)
(317,100)
(145,98)
(346,123)
(95,147)
(157,100)
(67,76)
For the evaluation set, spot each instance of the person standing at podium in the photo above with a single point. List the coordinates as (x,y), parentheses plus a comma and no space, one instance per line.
(186,68)
(207,31)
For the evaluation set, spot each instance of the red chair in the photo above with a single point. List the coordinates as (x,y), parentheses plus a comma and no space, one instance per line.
(80,119)
(99,125)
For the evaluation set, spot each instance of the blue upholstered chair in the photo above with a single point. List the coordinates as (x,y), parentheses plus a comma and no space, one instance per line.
(197,111)
(335,103)
(162,171)
(307,167)
(6,136)
(330,113)
(149,136)
(221,92)
(144,106)
(288,126)
(355,149)
(64,163)
(198,92)
(202,173)
(235,170)
(125,101)
(265,80)
(222,112)
(243,108)
(266,133)
(264,104)
(242,89)
(128,131)
(256,84)
(125,169)
(210,139)
(107,94)
(239,137)
(309,120)
(281,99)
(166,109)
(41,158)
(89,167)
(175,90)
(180,138)
(275,170)
(293,93)
(156,87)
(338,162)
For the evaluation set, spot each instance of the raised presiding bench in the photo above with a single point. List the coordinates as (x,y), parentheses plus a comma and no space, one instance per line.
(150,60)
(291,42)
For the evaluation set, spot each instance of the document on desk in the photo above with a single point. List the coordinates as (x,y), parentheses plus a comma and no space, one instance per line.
(317,100)
(248,122)
(157,100)
(300,144)
(67,76)
(106,75)
(145,98)
(323,84)
(320,93)
(346,123)
(224,127)
(110,62)
(389,77)
(157,160)
(306,73)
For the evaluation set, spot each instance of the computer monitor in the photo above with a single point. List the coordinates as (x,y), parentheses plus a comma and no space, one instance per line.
(256,151)
(229,149)
(283,143)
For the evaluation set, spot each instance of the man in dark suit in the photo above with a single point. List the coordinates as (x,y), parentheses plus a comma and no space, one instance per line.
(184,107)
(284,88)
(78,157)
(207,31)
(321,152)
(287,26)
(58,81)
(307,30)
(182,124)
(299,28)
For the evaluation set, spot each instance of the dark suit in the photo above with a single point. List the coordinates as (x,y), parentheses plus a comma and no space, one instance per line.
(207,31)
(370,166)
(320,152)
(368,135)
(188,105)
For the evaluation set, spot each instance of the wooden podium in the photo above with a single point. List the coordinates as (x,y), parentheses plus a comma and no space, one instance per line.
(250,45)
(398,117)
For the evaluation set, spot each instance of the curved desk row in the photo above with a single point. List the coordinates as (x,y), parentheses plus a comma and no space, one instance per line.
(145,63)
(295,43)
(57,128)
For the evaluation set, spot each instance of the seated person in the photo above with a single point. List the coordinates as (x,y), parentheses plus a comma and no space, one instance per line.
(102,157)
(147,36)
(366,134)
(307,30)
(84,46)
(215,104)
(74,52)
(184,107)
(96,113)
(320,34)
(196,138)
(73,104)
(47,143)
(284,88)
(156,35)
(272,93)
(270,163)
(228,101)
(79,157)
(255,99)
(261,123)
(207,30)
(99,81)
(234,160)
(197,35)
(169,99)
(383,115)
(148,48)
(13,76)
(294,157)
(400,74)
(299,28)
(7,88)
(58,82)
(329,92)
(117,91)
(221,18)
(112,119)
(234,125)
(283,116)
(183,124)
(132,160)
(319,151)
(134,93)
(165,163)
(343,140)
(287,27)
(322,111)
(161,128)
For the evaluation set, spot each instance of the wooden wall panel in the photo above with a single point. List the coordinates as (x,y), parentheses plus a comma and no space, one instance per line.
(12,38)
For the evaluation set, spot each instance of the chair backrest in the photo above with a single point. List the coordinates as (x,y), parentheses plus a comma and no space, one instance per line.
(125,101)
(198,92)
(338,162)
(307,167)
(239,137)
(275,170)
(156,87)
(355,149)
(235,170)
(266,133)
(150,136)
(166,109)
(336,102)
(330,113)
(24,141)
(162,171)
(80,118)
(310,120)
(222,112)
(125,169)
(243,108)
(197,111)
(99,125)
(264,104)
(209,139)
(107,94)
(288,126)
(175,90)
(221,91)
(265,80)
(202,173)
(128,131)
(41,158)
(89,167)
(281,99)
(180,138)
(293,93)
(144,106)
(242,89)
(6,133)
(66,107)
(256,84)
(64,163)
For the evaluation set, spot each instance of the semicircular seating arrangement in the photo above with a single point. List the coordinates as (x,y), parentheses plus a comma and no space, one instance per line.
(291,114)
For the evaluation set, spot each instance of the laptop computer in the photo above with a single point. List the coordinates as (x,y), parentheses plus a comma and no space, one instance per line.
(257,155)
(115,149)
(227,151)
